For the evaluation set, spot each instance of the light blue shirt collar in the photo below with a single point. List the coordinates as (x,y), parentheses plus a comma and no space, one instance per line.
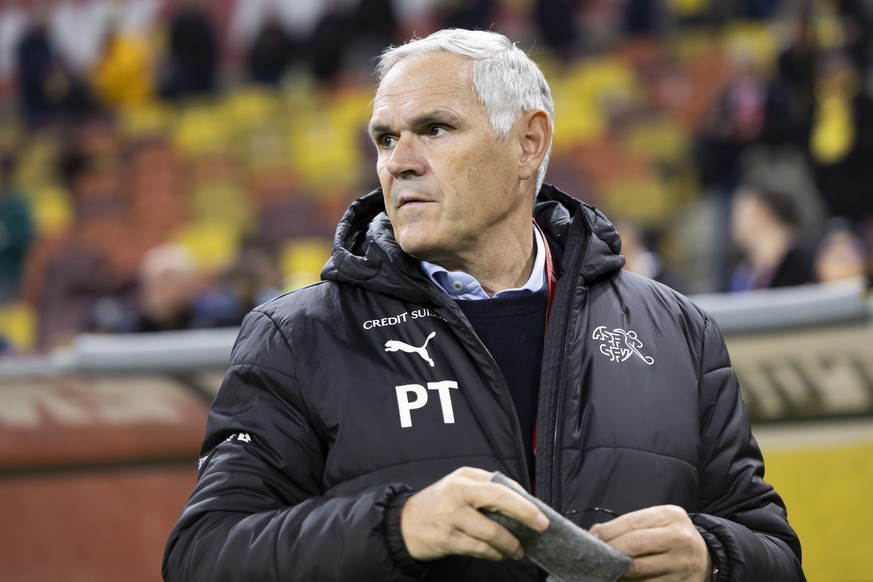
(465,287)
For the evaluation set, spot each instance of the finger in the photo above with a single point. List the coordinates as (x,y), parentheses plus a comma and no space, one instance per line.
(671,566)
(647,567)
(511,482)
(473,473)
(432,518)
(462,544)
(643,542)
(648,518)
(502,499)
(480,527)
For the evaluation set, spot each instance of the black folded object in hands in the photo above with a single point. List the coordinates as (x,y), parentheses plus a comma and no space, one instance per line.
(564,550)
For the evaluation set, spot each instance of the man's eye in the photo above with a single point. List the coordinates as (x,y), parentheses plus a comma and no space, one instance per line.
(386,141)
(436,130)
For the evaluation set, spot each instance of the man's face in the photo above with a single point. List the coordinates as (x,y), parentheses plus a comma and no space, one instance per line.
(451,186)
(749,218)
(168,292)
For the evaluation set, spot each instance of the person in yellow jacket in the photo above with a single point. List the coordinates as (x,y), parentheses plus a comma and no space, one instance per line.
(124,75)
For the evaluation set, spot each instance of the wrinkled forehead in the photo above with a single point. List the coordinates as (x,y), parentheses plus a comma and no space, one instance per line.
(419,85)
(427,72)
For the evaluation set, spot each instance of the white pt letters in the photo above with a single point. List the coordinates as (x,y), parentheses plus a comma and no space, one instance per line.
(414,396)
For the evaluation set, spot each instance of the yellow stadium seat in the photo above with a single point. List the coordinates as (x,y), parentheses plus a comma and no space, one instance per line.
(658,138)
(147,119)
(213,243)
(200,129)
(225,202)
(323,152)
(18,325)
(754,40)
(351,108)
(601,78)
(583,98)
(580,119)
(249,106)
(37,162)
(301,260)
(645,201)
(690,44)
(52,210)
(689,8)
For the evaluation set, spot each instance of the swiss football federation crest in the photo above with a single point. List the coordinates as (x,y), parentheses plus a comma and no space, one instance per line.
(619,345)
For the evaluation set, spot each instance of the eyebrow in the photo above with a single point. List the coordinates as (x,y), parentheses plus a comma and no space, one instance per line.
(422,120)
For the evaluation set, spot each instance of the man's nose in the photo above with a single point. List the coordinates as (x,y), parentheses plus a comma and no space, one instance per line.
(406,159)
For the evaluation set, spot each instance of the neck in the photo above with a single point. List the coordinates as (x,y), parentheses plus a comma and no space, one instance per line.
(515,273)
(507,265)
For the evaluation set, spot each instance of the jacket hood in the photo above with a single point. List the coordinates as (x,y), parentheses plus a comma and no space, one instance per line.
(366,254)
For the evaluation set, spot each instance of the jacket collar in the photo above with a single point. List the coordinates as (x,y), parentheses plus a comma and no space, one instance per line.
(366,254)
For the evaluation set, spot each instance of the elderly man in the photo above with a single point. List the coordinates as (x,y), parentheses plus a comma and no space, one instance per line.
(473,320)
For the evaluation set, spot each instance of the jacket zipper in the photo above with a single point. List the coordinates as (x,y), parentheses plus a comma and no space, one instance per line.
(552,495)
(506,399)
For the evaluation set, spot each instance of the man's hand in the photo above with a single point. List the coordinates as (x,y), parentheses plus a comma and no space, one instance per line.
(444,518)
(663,543)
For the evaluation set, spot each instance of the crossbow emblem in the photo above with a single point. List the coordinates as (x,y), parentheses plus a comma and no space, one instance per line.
(619,344)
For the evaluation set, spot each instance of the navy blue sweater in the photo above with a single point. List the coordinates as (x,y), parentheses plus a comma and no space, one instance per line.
(513,329)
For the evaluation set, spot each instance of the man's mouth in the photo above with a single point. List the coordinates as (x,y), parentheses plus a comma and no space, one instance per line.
(411,200)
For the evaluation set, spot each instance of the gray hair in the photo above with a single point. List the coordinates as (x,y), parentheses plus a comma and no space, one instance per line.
(506,81)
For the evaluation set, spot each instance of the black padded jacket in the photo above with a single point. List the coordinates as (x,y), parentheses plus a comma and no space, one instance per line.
(344,397)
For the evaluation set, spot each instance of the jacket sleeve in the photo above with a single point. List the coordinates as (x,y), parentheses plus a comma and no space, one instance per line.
(257,511)
(743,519)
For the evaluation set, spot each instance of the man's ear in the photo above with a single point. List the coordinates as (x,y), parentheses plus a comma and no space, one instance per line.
(535,136)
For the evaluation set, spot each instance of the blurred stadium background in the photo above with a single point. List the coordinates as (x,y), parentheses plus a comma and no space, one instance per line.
(147,137)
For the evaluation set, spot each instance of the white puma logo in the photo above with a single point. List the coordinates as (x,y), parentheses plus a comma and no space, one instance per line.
(395,345)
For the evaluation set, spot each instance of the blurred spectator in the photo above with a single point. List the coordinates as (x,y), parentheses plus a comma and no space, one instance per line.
(556,22)
(72,160)
(376,22)
(724,11)
(641,258)
(169,288)
(840,254)
(795,71)
(646,17)
(748,113)
(17,232)
(471,14)
(750,110)
(845,25)
(758,9)
(250,280)
(123,74)
(326,51)
(191,66)
(767,228)
(272,51)
(45,84)
(841,141)
(168,297)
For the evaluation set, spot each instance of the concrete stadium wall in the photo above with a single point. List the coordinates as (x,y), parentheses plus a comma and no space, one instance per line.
(93,473)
